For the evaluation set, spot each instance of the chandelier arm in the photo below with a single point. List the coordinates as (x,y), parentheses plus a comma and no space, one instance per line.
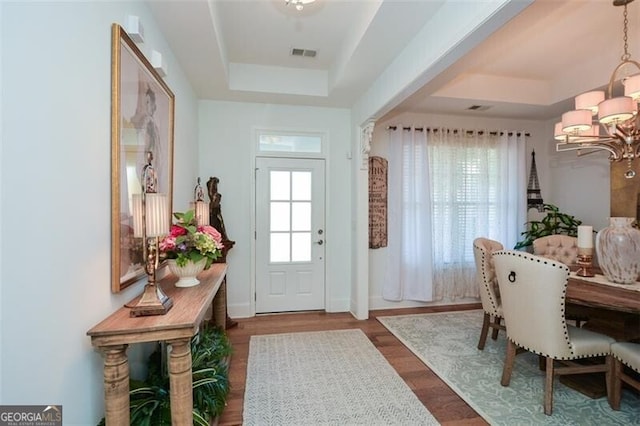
(612,80)
(598,140)
(595,146)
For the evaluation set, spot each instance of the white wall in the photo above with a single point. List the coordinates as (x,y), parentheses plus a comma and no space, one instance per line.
(56,186)
(563,179)
(227,149)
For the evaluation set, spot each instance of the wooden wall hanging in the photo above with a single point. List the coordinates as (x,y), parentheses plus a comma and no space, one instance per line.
(377,202)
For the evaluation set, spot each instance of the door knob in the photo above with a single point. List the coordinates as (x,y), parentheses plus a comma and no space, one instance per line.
(320,242)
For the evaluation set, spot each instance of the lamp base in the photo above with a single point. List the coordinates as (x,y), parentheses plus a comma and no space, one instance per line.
(152,302)
(584,263)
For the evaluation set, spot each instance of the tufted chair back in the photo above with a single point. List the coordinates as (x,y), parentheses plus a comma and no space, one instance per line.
(483,249)
(533,291)
(562,248)
(533,295)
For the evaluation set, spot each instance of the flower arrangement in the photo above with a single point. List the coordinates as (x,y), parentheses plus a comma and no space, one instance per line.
(189,242)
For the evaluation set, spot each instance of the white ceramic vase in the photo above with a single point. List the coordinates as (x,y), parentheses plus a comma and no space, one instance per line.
(618,250)
(186,274)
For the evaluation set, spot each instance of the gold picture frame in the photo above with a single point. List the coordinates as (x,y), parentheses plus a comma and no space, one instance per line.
(142,119)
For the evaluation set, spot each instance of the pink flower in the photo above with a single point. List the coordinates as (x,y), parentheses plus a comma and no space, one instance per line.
(208,229)
(168,243)
(177,231)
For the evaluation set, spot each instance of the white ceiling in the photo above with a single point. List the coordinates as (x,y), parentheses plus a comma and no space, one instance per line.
(532,67)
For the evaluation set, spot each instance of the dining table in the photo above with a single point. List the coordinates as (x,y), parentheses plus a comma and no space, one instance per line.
(612,309)
(599,292)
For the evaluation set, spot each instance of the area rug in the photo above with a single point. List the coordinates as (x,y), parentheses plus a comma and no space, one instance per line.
(326,378)
(447,344)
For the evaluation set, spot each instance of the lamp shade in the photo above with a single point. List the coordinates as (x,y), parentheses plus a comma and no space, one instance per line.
(632,87)
(156,213)
(558,134)
(590,101)
(201,209)
(576,121)
(615,110)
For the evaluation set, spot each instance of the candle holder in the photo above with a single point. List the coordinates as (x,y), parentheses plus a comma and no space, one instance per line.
(585,262)
(199,206)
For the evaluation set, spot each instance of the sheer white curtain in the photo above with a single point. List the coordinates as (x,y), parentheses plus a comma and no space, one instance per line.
(409,264)
(456,185)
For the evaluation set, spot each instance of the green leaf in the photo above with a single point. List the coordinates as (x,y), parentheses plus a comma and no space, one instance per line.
(210,351)
(553,223)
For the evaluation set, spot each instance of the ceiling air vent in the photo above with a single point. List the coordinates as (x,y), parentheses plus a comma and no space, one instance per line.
(479,107)
(303,52)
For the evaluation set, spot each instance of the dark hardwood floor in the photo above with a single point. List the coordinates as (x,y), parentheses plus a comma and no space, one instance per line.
(440,400)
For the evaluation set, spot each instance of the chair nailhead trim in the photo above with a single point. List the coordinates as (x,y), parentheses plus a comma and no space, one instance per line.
(485,280)
(564,295)
(626,363)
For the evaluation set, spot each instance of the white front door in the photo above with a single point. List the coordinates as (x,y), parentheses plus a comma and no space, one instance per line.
(289,235)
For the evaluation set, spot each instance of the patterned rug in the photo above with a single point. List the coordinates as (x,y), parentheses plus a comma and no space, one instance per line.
(447,344)
(326,378)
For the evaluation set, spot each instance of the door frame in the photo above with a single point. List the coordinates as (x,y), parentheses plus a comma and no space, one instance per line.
(315,300)
(255,153)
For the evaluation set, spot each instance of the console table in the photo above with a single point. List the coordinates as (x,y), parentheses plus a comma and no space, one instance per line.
(176,327)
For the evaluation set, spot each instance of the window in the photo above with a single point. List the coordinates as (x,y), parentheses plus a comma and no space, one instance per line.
(465,197)
(293,143)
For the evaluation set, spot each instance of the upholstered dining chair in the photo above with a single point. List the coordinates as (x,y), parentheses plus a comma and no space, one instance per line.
(488,288)
(623,354)
(533,291)
(564,249)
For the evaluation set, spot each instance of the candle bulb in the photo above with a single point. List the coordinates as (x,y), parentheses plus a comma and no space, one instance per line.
(585,236)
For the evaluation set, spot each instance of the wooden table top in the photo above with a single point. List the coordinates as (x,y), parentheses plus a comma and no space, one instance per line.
(183,319)
(598,292)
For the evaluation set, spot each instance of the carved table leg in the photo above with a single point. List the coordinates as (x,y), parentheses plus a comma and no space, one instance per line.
(220,316)
(116,385)
(180,382)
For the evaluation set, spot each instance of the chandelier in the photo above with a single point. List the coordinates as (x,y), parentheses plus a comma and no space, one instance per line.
(608,123)
(299,4)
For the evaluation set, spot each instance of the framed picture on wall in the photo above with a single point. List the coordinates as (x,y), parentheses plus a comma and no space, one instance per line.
(142,116)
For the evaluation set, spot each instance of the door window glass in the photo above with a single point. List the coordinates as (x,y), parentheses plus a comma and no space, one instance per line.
(290,221)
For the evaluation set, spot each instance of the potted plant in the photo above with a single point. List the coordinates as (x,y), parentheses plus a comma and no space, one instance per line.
(555,222)
(190,248)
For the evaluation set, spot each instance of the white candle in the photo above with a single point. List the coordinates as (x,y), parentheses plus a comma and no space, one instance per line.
(585,236)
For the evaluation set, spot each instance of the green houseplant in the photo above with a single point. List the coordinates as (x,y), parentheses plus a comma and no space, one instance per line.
(555,222)
(150,403)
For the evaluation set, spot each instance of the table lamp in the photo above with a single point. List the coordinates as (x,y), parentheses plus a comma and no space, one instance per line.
(585,251)
(151,219)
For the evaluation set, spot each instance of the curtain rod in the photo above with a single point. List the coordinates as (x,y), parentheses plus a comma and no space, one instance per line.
(455,131)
